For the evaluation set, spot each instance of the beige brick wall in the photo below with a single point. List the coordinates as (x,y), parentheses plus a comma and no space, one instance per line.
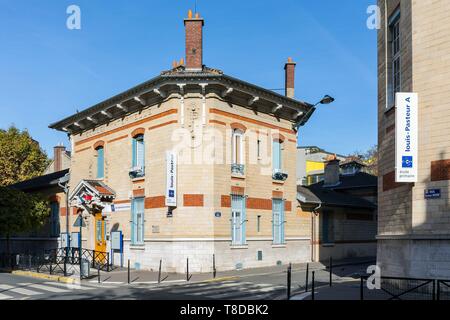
(212,179)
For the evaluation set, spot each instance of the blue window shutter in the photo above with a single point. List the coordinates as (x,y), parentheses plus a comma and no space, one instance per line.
(276,154)
(100,163)
(133,220)
(134,159)
(140,152)
(282,219)
(244,222)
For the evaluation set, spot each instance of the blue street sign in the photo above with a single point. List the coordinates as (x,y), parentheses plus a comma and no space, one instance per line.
(433,194)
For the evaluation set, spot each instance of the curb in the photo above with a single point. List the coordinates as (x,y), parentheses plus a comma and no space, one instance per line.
(46,277)
(221,279)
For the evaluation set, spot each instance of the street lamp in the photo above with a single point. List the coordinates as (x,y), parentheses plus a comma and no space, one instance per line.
(327,99)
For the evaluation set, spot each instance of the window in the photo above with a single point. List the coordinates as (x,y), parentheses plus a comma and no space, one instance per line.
(100,163)
(258,150)
(278,221)
(137,221)
(54,219)
(327,227)
(237,166)
(258,224)
(276,154)
(138,162)
(395,58)
(238,220)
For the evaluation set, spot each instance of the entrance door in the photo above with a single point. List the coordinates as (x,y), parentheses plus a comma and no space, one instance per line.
(100,233)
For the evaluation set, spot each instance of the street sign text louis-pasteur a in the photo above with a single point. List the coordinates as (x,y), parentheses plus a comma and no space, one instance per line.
(406,137)
(171,187)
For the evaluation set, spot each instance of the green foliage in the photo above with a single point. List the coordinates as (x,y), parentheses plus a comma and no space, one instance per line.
(21,157)
(21,212)
(370,158)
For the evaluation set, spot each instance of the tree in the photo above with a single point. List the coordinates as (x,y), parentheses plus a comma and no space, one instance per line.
(20,212)
(369,158)
(21,157)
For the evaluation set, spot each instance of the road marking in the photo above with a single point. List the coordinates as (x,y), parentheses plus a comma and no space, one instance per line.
(23,291)
(302,296)
(202,289)
(241,293)
(106,282)
(43,287)
(5,297)
(69,286)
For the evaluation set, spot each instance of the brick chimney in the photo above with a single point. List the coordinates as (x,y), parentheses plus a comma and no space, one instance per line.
(332,172)
(58,157)
(290,78)
(194,41)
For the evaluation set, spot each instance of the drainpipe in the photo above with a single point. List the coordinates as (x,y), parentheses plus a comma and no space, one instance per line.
(315,213)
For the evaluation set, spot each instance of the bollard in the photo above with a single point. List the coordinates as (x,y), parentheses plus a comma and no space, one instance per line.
(312,286)
(214,266)
(331,271)
(128,271)
(187,269)
(307,276)
(289,271)
(98,272)
(159,273)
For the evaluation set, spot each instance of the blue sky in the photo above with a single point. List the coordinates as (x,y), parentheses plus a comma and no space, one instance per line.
(47,72)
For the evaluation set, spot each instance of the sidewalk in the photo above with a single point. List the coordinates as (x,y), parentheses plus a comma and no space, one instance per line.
(120,275)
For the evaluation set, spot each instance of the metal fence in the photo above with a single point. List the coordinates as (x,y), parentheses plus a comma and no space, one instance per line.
(57,261)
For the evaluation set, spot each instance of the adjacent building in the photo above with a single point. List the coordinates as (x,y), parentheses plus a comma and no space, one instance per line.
(414,218)
(343,212)
(311,164)
(191,164)
(49,187)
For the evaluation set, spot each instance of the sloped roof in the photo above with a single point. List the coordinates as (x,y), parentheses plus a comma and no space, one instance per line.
(42,182)
(331,197)
(358,180)
(169,80)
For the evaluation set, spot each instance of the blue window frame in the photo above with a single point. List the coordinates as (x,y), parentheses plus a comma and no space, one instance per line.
(276,155)
(137,221)
(278,221)
(54,219)
(238,220)
(138,154)
(100,163)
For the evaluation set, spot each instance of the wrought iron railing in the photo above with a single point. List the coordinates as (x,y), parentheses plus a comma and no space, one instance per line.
(238,169)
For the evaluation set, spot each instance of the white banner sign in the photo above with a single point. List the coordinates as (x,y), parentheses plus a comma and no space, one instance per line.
(171,188)
(406,137)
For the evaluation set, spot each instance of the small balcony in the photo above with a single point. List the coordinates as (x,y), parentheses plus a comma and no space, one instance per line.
(137,172)
(279,175)
(238,169)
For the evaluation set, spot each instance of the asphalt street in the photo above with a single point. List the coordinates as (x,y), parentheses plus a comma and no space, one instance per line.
(265,286)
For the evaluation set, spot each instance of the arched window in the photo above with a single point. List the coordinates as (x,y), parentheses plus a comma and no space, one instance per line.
(100,162)
(138,161)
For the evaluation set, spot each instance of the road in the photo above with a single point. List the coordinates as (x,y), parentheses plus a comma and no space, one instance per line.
(269,286)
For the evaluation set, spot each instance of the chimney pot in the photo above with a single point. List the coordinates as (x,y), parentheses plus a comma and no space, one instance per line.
(332,172)
(57,157)
(194,41)
(290,78)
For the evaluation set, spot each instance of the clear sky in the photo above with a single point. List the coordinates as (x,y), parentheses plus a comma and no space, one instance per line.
(47,71)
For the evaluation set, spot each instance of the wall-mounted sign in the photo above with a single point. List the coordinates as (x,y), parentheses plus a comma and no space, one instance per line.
(406,137)
(117,207)
(171,188)
(433,194)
